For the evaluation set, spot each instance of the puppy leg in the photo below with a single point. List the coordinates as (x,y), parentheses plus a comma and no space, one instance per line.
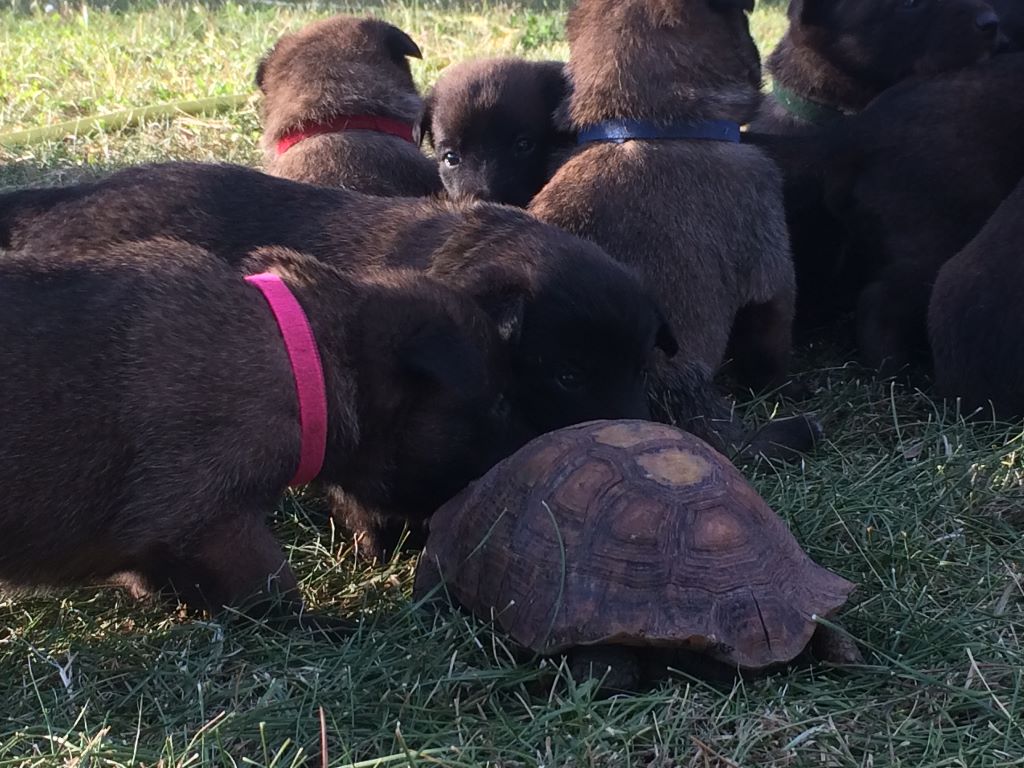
(781,439)
(684,395)
(377,535)
(891,319)
(761,342)
(236,562)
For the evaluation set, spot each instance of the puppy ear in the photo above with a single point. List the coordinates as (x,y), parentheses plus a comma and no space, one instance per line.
(502,292)
(554,84)
(733,5)
(440,354)
(507,311)
(556,87)
(424,129)
(261,69)
(400,45)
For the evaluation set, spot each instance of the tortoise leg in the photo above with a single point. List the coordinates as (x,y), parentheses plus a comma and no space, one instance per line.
(617,667)
(836,647)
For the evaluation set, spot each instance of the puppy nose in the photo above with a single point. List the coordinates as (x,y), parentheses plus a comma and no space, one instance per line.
(987,22)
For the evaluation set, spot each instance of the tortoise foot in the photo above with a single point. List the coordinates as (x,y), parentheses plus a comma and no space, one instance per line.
(835,647)
(616,668)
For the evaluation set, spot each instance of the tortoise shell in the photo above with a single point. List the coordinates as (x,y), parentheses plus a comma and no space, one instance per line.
(630,533)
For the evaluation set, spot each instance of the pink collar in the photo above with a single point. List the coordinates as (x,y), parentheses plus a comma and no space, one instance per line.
(308,372)
(388,125)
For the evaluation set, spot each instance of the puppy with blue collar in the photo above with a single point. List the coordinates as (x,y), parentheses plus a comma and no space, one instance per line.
(659,91)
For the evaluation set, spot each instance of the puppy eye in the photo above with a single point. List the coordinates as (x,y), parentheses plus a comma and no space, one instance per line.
(451,159)
(571,380)
(524,145)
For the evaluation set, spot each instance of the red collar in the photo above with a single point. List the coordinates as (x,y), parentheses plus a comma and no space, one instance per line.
(307,370)
(341,123)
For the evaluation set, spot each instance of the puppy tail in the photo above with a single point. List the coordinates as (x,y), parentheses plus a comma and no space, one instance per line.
(18,210)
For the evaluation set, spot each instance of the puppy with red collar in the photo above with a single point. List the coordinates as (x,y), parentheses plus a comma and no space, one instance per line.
(157,403)
(340,106)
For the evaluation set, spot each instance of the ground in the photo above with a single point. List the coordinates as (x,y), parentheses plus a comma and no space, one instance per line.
(923,511)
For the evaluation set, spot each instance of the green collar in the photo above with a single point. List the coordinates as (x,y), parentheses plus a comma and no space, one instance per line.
(811,111)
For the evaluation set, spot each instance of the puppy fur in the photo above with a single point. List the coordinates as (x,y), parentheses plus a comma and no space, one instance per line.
(578,326)
(913,179)
(702,222)
(344,66)
(840,55)
(1011,24)
(491,124)
(173,370)
(974,323)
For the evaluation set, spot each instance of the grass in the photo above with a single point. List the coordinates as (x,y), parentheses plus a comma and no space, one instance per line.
(921,509)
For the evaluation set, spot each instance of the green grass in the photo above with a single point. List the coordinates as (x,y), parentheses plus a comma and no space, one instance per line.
(922,510)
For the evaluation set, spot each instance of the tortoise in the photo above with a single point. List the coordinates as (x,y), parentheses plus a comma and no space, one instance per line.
(616,534)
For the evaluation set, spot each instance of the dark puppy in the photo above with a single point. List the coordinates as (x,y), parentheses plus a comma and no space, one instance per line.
(340,107)
(834,58)
(913,179)
(1011,24)
(837,56)
(974,321)
(152,421)
(578,326)
(491,123)
(701,221)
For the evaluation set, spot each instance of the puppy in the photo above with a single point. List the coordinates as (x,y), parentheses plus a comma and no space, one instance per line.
(1011,24)
(340,106)
(913,179)
(834,58)
(579,328)
(700,218)
(974,325)
(837,56)
(152,418)
(491,124)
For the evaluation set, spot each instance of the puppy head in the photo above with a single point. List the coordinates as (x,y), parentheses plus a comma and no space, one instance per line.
(588,332)
(491,123)
(662,60)
(431,378)
(884,41)
(341,65)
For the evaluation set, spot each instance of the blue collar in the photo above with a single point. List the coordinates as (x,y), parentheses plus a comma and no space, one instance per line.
(619,131)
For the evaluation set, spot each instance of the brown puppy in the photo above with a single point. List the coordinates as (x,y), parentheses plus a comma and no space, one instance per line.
(152,420)
(578,326)
(913,178)
(491,123)
(701,221)
(340,107)
(974,320)
(837,56)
